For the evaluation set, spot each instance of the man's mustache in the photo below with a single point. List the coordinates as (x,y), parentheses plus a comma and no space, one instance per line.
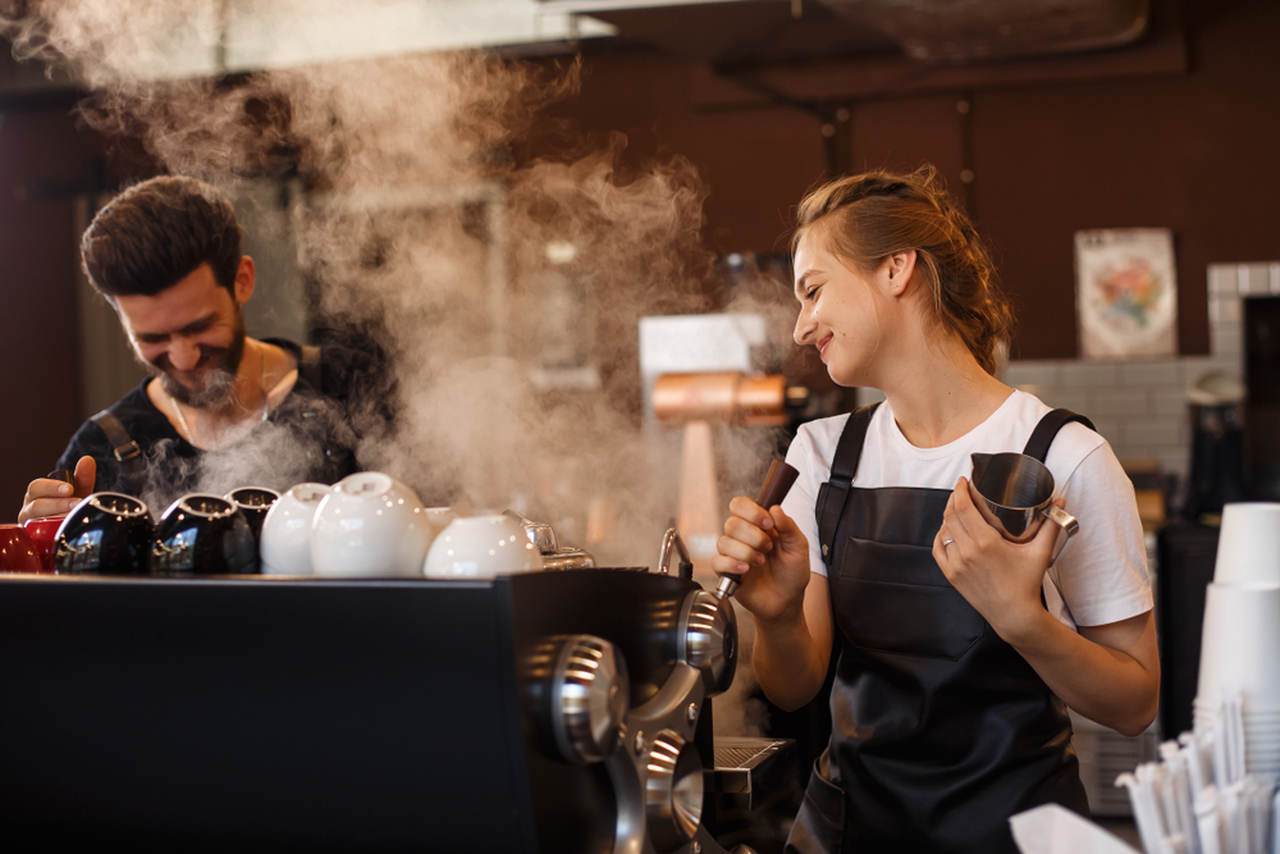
(208,356)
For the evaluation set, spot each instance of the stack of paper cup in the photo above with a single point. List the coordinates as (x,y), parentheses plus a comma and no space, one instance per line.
(1240,644)
(1249,544)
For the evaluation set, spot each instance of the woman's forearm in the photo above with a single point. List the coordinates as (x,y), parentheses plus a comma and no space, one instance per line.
(788,662)
(1104,683)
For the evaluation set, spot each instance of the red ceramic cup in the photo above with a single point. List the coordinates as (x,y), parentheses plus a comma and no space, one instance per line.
(44,533)
(17,554)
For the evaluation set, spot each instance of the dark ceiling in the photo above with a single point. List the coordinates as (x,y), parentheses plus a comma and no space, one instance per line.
(933,31)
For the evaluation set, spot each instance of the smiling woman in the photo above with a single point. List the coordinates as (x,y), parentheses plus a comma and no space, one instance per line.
(954,648)
(868,218)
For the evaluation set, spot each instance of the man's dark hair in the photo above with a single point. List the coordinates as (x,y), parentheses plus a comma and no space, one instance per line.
(155,233)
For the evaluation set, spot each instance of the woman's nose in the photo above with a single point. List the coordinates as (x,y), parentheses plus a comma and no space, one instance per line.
(804,328)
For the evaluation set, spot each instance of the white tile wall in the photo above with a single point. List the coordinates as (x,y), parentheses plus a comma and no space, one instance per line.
(1140,406)
(1154,434)
(1149,373)
(1032,373)
(1091,374)
(1254,279)
(1223,279)
(1128,403)
(1169,402)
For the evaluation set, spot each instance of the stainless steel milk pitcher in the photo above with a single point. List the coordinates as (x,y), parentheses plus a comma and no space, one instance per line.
(1015,495)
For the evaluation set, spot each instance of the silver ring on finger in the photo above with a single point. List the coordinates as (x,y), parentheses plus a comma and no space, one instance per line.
(946,542)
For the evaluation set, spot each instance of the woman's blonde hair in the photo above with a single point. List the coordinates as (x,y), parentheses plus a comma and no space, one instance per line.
(868,217)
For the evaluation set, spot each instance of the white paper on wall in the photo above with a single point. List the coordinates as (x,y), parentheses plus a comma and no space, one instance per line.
(1126,292)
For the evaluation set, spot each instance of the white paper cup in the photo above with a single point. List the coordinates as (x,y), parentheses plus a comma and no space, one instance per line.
(1249,544)
(1240,647)
(1261,714)
(1238,657)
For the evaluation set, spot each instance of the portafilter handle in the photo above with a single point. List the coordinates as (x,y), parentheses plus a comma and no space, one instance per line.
(776,485)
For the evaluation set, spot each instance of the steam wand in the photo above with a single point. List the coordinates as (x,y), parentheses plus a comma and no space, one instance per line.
(776,485)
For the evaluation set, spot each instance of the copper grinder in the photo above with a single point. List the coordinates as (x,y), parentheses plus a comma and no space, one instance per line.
(696,400)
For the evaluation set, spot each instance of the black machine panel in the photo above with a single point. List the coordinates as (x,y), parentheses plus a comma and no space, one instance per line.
(223,713)
(263,713)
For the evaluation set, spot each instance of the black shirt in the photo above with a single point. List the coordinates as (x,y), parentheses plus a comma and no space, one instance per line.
(310,436)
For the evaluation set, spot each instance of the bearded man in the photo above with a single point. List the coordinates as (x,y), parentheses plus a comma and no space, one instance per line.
(165,254)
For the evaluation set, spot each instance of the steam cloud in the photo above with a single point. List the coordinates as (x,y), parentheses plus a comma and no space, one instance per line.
(416,221)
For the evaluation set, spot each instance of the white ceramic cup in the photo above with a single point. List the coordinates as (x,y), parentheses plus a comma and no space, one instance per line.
(1249,544)
(1238,646)
(439,518)
(370,525)
(285,542)
(481,547)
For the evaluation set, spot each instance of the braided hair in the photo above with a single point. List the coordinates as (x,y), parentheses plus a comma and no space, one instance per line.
(868,217)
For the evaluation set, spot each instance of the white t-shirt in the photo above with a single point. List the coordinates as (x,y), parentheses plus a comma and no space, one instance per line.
(1099,577)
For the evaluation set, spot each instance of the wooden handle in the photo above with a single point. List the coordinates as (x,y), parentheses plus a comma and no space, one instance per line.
(777,483)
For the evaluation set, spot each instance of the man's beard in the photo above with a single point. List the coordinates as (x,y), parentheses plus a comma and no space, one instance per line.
(219,364)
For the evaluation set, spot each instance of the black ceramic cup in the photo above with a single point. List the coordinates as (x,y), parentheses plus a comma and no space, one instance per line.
(203,535)
(108,533)
(253,503)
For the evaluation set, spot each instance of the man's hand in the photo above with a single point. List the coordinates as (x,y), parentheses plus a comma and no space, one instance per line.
(48,497)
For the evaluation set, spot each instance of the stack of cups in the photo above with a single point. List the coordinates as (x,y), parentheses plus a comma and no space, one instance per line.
(1240,646)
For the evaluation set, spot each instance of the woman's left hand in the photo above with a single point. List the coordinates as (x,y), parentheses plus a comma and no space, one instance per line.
(999,578)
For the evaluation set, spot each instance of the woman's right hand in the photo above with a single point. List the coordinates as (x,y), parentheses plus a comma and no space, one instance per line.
(770,554)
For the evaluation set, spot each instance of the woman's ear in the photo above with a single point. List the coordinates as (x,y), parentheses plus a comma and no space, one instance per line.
(901,266)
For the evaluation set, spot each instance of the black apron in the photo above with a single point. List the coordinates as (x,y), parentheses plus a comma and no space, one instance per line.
(940,730)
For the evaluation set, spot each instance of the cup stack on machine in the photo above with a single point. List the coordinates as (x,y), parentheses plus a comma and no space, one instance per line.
(1215,790)
(368,525)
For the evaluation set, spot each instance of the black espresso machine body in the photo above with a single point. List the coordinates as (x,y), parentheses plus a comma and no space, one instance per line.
(263,713)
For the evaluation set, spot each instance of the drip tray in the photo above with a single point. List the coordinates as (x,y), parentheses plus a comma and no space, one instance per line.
(744,765)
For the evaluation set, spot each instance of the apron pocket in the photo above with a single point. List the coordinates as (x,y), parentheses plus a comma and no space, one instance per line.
(819,826)
(894,598)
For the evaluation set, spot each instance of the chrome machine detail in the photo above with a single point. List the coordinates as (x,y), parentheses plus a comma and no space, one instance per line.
(589,698)
(707,639)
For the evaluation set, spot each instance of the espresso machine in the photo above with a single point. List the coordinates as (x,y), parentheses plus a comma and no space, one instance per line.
(565,711)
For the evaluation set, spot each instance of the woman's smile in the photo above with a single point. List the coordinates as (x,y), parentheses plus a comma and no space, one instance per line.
(823,342)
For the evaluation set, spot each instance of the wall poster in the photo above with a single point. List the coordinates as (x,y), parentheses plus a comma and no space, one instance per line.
(1126,293)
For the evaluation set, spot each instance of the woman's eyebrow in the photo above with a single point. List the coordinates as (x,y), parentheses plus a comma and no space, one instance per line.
(804,277)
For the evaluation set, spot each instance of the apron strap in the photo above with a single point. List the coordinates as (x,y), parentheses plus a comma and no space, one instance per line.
(126,451)
(309,367)
(833,494)
(1053,421)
